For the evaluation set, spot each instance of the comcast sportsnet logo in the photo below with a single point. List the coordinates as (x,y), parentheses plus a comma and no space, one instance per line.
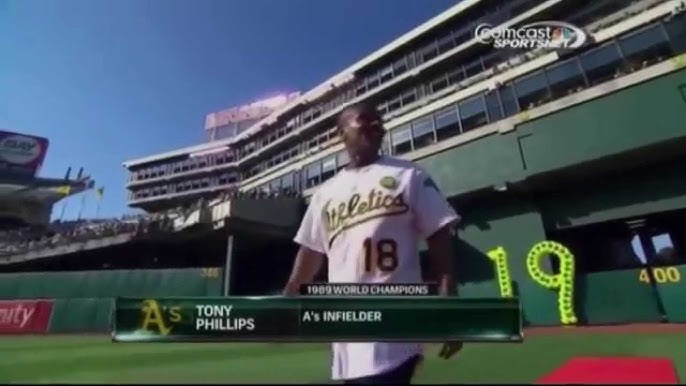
(544,34)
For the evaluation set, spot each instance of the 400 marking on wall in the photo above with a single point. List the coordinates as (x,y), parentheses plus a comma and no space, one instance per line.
(211,272)
(661,274)
(562,282)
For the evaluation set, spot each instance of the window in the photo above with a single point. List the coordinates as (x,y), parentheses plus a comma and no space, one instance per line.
(438,84)
(409,97)
(447,122)
(474,68)
(429,52)
(275,185)
(423,131)
(463,34)
(509,101)
(287,182)
(645,47)
(342,159)
(328,167)
(595,12)
(472,113)
(373,82)
(386,74)
(676,29)
(565,78)
(518,8)
(401,140)
(400,66)
(532,90)
(601,63)
(361,89)
(495,110)
(313,174)
(382,108)
(446,43)
(456,76)
(394,104)
(497,57)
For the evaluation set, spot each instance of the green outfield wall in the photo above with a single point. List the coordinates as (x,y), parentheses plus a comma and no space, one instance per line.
(574,168)
(82,300)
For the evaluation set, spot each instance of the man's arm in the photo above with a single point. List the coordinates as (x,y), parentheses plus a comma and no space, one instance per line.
(312,250)
(441,256)
(307,264)
(434,218)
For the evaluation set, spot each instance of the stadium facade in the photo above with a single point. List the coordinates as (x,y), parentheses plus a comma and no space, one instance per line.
(582,146)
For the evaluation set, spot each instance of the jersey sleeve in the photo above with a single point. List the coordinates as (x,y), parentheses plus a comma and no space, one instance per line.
(311,231)
(432,211)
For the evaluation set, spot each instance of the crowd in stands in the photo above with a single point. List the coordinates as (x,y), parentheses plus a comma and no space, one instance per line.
(59,233)
(259,194)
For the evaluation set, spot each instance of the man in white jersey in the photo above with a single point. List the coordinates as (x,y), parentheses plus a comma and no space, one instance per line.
(368,220)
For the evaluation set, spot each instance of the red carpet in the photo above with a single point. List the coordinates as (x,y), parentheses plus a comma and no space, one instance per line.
(605,371)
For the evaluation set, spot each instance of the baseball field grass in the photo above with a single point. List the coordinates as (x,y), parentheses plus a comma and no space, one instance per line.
(81,359)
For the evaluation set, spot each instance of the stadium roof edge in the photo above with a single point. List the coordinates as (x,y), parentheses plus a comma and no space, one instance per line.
(318,90)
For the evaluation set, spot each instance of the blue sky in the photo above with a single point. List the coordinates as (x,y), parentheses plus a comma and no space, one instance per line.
(107,81)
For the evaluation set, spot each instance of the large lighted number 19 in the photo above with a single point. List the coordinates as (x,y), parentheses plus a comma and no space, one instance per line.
(382,255)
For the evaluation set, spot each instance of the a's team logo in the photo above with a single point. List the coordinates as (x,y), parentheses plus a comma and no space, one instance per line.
(543,34)
(159,319)
(389,183)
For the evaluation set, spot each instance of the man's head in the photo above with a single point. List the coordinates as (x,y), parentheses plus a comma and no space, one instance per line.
(361,128)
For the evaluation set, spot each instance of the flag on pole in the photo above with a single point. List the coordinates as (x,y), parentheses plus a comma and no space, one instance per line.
(99,192)
(83,205)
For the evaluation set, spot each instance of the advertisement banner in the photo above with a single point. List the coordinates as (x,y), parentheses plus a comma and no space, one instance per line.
(21,154)
(252,111)
(25,316)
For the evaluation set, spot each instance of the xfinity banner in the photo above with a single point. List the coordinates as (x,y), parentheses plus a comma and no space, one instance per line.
(21,154)
(25,316)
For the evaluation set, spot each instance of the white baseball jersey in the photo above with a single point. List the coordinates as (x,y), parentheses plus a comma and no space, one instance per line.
(369,222)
